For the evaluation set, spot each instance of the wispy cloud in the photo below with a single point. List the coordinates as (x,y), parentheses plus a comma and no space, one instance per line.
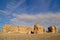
(49,18)
(1,11)
(13,5)
(4,12)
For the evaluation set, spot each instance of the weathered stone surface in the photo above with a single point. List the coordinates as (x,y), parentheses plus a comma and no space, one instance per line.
(19,29)
(9,28)
(52,29)
(38,29)
(25,29)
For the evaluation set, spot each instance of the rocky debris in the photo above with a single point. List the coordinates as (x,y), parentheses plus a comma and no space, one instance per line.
(52,29)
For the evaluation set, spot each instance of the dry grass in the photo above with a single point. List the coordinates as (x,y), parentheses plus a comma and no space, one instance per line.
(17,36)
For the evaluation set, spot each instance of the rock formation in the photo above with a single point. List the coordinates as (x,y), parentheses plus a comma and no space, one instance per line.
(9,28)
(52,29)
(25,29)
(38,29)
(16,29)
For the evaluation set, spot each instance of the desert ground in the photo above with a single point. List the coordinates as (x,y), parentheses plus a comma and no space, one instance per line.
(18,36)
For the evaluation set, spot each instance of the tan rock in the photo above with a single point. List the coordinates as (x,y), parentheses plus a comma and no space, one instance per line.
(52,29)
(38,29)
(5,28)
(17,29)
(25,29)
(9,28)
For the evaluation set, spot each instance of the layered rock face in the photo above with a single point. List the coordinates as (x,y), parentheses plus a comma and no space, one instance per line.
(52,29)
(38,29)
(25,29)
(16,29)
(9,28)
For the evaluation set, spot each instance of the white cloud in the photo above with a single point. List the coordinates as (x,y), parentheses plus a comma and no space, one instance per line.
(48,18)
(13,5)
(4,12)
(1,11)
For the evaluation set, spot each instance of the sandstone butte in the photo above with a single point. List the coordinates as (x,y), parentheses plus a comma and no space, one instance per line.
(37,29)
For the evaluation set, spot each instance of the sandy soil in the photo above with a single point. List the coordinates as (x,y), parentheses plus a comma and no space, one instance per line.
(18,36)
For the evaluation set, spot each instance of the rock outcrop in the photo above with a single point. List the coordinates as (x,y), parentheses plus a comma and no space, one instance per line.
(9,28)
(25,29)
(52,29)
(17,29)
(38,29)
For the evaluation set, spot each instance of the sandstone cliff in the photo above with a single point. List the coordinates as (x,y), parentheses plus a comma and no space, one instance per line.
(37,29)
(16,29)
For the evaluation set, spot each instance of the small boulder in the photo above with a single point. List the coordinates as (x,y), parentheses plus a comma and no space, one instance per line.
(52,29)
(38,29)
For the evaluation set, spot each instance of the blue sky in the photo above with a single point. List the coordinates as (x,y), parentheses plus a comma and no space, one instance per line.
(29,12)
